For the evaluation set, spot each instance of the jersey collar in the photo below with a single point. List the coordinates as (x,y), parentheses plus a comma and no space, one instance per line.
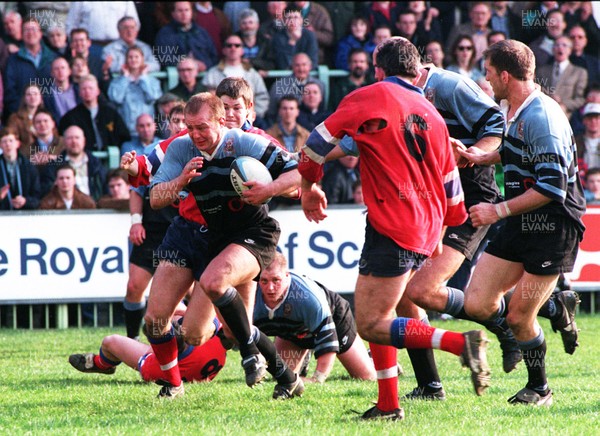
(397,81)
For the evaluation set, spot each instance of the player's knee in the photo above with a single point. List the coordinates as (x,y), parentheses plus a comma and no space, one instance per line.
(477,310)
(366,329)
(109,341)
(135,290)
(213,287)
(517,322)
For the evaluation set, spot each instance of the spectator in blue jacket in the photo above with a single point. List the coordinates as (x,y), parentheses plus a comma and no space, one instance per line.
(295,38)
(359,37)
(184,38)
(31,64)
(135,91)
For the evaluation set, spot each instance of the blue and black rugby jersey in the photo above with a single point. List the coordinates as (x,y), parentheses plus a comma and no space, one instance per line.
(305,313)
(470,114)
(539,152)
(221,206)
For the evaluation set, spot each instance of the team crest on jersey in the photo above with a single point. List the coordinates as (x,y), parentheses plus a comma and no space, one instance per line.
(430,95)
(521,130)
(228,148)
(287,309)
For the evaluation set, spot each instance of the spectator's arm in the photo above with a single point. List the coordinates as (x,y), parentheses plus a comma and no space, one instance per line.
(118,89)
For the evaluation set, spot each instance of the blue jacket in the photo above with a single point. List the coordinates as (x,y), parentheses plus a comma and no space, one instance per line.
(346,45)
(20,72)
(173,44)
(29,184)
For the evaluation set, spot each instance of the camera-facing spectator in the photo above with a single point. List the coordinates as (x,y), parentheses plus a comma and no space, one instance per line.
(294,38)
(274,23)
(22,120)
(165,105)
(592,186)
(188,85)
(358,62)
(581,13)
(434,54)
(57,41)
(477,28)
(312,112)
(65,195)
(463,58)
(286,130)
(407,27)
(232,66)
(292,84)
(22,70)
(100,18)
(339,180)
(184,38)
(381,33)
(588,143)
(100,122)
(256,46)
(114,54)
(562,80)
(79,69)
(580,58)
(359,38)
(13,31)
(61,96)
(118,191)
(543,45)
(505,20)
(145,136)
(19,180)
(47,145)
(80,44)
(90,174)
(135,91)
(357,193)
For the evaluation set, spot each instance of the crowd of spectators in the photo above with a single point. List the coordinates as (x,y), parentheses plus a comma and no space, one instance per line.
(78,77)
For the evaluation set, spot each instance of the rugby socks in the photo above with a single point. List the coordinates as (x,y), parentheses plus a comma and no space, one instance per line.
(386,366)
(133,313)
(232,310)
(411,333)
(165,349)
(550,309)
(103,362)
(534,356)
(455,306)
(275,365)
(423,363)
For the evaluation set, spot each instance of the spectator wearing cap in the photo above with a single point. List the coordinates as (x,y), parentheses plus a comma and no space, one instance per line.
(588,143)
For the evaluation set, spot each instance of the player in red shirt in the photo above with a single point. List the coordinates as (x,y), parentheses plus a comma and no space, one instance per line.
(412,191)
(197,364)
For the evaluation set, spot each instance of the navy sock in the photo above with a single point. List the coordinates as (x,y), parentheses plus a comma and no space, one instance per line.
(275,365)
(234,314)
(133,314)
(534,356)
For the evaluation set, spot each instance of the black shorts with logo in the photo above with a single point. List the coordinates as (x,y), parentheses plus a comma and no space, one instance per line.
(465,238)
(544,244)
(260,240)
(382,257)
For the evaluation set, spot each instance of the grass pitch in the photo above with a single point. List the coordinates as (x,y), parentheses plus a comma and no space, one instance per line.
(41,394)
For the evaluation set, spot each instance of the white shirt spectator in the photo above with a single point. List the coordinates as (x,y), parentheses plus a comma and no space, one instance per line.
(100,18)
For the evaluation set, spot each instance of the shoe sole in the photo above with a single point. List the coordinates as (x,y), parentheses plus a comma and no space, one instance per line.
(480,375)
(511,360)
(569,337)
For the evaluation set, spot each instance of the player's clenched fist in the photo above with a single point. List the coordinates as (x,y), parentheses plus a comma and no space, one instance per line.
(129,163)
(483,214)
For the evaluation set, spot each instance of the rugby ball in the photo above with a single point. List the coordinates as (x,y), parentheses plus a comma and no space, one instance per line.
(246,168)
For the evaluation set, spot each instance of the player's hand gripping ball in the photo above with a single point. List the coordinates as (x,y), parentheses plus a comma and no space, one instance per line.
(246,168)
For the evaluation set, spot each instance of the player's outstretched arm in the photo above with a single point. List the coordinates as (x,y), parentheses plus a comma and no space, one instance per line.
(314,201)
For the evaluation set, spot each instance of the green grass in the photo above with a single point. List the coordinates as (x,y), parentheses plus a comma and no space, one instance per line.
(41,394)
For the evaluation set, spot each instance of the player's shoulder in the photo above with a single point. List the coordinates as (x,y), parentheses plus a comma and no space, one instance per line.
(544,116)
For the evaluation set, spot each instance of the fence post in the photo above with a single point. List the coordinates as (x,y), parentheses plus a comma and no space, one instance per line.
(62,316)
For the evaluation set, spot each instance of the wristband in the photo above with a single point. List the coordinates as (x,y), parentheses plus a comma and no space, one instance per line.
(319,376)
(503,213)
(498,210)
(508,212)
(136,218)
